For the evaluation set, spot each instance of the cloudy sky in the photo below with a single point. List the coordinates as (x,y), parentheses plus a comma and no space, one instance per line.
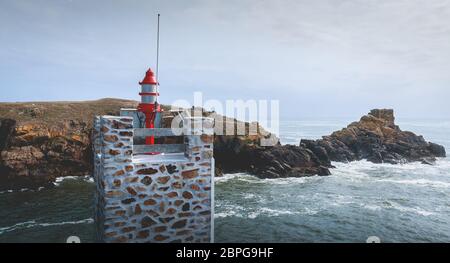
(318,58)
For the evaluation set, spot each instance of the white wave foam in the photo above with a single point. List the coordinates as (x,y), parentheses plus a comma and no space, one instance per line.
(83,221)
(227,214)
(240,176)
(364,164)
(33,223)
(21,190)
(275,212)
(372,207)
(396,173)
(21,225)
(249,196)
(227,210)
(291,180)
(339,200)
(270,212)
(398,207)
(242,212)
(60,179)
(416,210)
(274,181)
(419,182)
(86,178)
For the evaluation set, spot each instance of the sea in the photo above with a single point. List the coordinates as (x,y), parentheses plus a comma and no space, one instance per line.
(395,203)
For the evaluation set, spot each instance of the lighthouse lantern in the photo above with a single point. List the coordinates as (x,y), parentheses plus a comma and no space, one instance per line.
(149,108)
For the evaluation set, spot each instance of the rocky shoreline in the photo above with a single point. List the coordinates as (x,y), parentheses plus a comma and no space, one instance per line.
(374,137)
(42,141)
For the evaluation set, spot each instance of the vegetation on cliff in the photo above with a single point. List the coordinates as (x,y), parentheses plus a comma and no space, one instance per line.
(40,141)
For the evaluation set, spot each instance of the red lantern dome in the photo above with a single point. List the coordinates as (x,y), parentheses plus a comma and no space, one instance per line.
(149,78)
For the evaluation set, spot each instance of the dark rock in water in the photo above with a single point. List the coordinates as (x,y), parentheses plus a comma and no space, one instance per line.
(236,155)
(375,138)
(318,150)
(286,161)
(436,149)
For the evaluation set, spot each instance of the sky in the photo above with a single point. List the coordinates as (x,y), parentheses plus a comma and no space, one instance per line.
(321,58)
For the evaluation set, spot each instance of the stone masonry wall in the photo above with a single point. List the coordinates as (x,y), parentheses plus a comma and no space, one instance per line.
(151,201)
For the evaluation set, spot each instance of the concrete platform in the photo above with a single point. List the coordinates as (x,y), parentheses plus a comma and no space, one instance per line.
(163,157)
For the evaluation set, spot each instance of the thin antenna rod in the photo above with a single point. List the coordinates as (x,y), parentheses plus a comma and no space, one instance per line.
(157,59)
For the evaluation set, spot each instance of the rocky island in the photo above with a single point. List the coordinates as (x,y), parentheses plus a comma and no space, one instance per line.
(375,138)
(43,140)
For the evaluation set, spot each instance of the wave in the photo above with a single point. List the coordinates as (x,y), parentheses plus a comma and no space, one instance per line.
(291,180)
(415,173)
(33,223)
(22,190)
(228,210)
(398,207)
(415,210)
(264,211)
(58,181)
(249,196)
(241,176)
(440,163)
(419,182)
(359,170)
(86,178)
(227,214)
(244,177)
(241,212)
(369,166)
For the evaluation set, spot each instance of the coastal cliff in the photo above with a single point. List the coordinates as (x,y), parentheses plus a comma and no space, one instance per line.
(40,141)
(43,140)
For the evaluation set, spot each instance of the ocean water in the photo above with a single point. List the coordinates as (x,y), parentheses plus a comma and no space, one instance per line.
(397,203)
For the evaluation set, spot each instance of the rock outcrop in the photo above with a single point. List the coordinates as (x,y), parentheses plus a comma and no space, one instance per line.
(244,153)
(375,138)
(235,154)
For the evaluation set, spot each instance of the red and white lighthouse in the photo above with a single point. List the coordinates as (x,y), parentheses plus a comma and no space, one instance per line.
(149,102)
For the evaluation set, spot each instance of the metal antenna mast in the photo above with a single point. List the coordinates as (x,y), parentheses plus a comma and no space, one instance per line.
(157,59)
